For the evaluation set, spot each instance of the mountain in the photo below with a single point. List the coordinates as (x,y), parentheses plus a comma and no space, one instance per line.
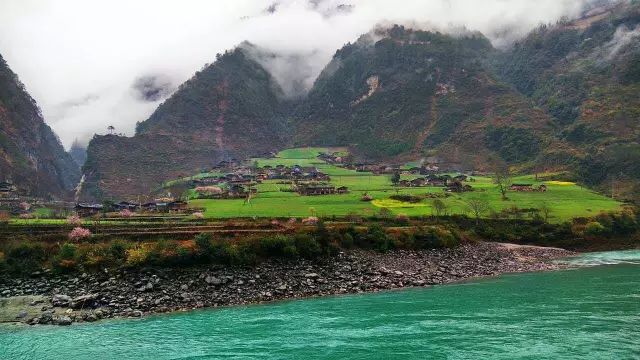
(230,109)
(409,94)
(586,75)
(562,98)
(31,155)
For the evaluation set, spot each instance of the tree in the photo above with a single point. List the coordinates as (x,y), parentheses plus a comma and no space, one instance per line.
(111,129)
(546,211)
(478,207)
(439,207)
(395,178)
(502,176)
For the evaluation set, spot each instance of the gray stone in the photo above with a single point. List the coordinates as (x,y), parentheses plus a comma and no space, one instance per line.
(61,300)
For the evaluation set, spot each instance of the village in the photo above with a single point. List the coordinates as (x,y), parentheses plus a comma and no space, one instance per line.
(247,180)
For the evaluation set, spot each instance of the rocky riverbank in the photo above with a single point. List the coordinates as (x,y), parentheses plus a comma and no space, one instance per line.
(45,298)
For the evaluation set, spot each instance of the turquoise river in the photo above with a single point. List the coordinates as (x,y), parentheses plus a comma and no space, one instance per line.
(590,312)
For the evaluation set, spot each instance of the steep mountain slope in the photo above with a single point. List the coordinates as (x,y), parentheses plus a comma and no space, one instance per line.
(31,155)
(231,109)
(417,93)
(586,74)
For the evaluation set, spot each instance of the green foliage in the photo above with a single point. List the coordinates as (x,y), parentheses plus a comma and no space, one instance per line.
(25,257)
(307,246)
(513,144)
(434,237)
(66,259)
(594,228)
(203,242)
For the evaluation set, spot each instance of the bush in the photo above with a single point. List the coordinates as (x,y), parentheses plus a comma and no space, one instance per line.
(25,257)
(306,246)
(375,238)
(66,259)
(137,256)
(435,238)
(203,244)
(273,246)
(118,250)
(346,241)
(594,228)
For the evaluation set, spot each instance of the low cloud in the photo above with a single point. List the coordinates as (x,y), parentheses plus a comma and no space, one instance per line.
(88,71)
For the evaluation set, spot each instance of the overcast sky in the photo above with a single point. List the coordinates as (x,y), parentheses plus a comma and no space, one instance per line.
(80,58)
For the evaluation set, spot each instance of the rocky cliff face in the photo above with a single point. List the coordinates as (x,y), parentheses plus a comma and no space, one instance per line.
(31,155)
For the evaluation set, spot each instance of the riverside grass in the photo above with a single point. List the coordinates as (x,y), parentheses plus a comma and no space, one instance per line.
(566,200)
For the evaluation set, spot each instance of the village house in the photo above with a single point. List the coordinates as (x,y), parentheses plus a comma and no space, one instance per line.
(86,210)
(126,205)
(458,187)
(315,189)
(6,187)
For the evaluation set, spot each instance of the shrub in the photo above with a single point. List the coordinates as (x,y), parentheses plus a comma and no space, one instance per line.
(118,250)
(306,246)
(402,219)
(25,257)
(435,238)
(273,246)
(198,215)
(594,228)
(66,259)
(4,217)
(346,241)
(79,233)
(375,238)
(137,256)
(203,244)
(26,216)
(225,253)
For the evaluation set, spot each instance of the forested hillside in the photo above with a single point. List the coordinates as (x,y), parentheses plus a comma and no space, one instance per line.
(416,93)
(586,74)
(230,109)
(563,98)
(31,155)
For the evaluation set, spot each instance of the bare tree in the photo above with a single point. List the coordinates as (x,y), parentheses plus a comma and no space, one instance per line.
(478,207)
(501,176)
(545,210)
(439,207)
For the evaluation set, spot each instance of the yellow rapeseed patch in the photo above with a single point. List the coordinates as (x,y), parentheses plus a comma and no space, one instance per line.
(390,203)
(562,183)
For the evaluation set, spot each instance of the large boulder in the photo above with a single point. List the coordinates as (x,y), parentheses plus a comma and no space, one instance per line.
(61,300)
(84,301)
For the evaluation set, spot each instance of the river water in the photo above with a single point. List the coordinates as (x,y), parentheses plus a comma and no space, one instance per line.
(591,312)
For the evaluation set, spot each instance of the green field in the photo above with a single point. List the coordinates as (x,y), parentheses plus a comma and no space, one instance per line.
(566,200)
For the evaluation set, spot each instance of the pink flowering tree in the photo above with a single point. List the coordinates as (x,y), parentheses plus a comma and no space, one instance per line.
(74,220)
(126,213)
(79,233)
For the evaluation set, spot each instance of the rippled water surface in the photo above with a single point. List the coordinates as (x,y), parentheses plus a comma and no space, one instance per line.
(588,313)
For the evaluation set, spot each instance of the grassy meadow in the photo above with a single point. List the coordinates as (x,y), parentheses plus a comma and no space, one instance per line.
(564,199)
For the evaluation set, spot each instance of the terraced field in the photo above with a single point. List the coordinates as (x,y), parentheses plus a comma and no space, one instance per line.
(564,199)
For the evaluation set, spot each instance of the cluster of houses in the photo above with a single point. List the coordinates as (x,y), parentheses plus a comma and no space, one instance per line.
(7,188)
(319,188)
(450,183)
(159,205)
(528,188)
(241,183)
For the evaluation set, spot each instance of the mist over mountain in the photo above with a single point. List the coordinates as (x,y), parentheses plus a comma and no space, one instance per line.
(82,70)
